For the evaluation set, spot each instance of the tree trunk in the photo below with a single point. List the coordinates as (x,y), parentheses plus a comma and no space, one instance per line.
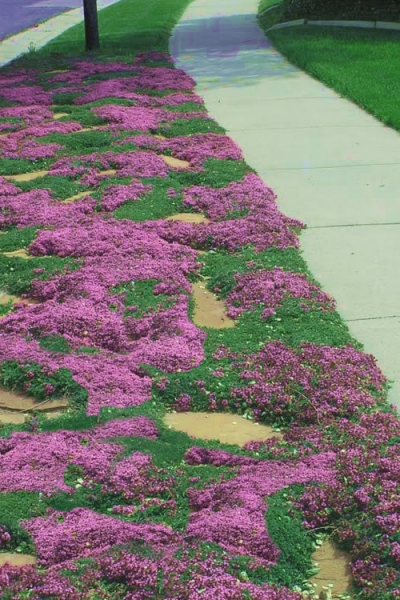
(91,24)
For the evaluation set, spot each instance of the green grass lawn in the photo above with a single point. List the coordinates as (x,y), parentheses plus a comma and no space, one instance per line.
(360,65)
(125,28)
(264,4)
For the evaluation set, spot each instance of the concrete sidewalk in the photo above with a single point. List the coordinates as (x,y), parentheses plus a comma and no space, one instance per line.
(21,43)
(332,165)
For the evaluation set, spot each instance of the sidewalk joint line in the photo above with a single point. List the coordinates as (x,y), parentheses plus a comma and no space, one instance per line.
(352,225)
(330,166)
(372,318)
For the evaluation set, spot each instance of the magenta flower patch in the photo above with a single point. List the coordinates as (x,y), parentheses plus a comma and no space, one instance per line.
(324,382)
(140,118)
(37,462)
(270,288)
(82,532)
(26,95)
(231,513)
(195,149)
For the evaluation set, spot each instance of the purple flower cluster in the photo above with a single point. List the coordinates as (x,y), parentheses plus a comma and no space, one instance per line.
(21,144)
(311,383)
(263,226)
(195,148)
(127,164)
(191,576)
(36,462)
(124,88)
(141,118)
(37,207)
(26,95)
(5,537)
(80,306)
(82,532)
(28,116)
(270,288)
(231,513)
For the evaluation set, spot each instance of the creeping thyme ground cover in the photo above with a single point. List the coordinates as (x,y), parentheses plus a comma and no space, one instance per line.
(113,503)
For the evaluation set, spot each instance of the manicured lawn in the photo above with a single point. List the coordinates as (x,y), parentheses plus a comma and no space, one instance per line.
(128,27)
(264,4)
(360,65)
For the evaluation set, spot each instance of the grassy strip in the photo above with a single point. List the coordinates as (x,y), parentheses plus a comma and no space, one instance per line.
(126,28)
(361,65)
(365,10)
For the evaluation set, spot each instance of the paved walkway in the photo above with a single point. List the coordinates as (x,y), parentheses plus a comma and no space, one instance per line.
(333,165)
(25,16)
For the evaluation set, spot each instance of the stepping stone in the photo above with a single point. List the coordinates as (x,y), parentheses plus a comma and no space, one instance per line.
(15,401)
(16,560)
(76,197)
(5,299)
(26,176)
(209,311)
(188,218)
(21,253)
(225,427)
(9,417)
(175,162)
(334,569)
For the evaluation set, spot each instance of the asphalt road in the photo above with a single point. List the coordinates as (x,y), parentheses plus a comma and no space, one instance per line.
(16,15)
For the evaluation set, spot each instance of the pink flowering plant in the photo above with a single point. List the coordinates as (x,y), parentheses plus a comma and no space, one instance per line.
(112,502)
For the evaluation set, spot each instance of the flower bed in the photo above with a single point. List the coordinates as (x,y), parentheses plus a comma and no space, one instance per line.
(113,503)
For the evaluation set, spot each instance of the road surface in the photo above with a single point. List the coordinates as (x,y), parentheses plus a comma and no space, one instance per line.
(17,15)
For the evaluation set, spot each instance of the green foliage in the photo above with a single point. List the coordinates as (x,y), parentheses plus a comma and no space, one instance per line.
(273,14)
(16,274)
(285,527)
(14,238)
(41,383)
(81,114)
(80,142)
(364,10)
(222,266)
(186,107)
(189,127)
(140,294)
(54,343)
(15,507)
(216,174)
(75,421)
(60,187)
(110,75)
(65,97)
(16,166)
(155,204)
